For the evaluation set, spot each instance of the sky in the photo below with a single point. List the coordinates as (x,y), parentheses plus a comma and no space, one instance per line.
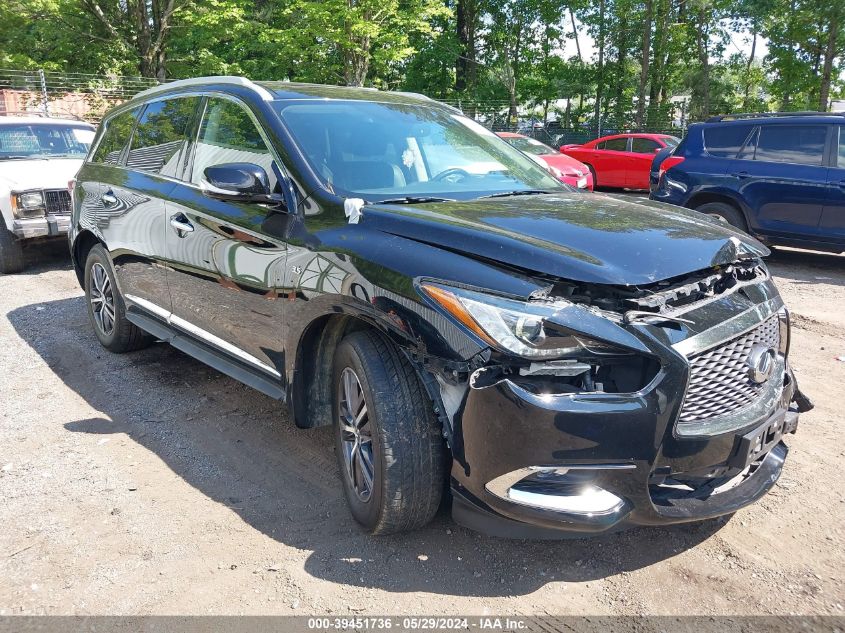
(739,42)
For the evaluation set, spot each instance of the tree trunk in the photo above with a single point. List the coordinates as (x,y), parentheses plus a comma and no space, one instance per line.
(701,36)
(645,55)
(829,54)
(575,35)
(619,107)
(600,71)
(466,70)
(746,100)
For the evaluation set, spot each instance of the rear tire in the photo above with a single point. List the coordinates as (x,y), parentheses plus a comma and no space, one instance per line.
(11,251)
(725,212)
(398,479)
(595,177)
(106,308)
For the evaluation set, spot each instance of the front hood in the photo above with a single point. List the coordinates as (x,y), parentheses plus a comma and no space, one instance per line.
(50,173)
(582,237)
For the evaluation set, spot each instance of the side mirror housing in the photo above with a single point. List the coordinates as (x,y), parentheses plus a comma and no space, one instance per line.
(243,182)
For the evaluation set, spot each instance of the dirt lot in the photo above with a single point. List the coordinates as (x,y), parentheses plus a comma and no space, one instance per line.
(150,484)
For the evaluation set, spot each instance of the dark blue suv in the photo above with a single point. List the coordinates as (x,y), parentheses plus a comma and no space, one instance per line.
(780,177)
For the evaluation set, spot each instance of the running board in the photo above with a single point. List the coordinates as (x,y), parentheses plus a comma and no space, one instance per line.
(220,361)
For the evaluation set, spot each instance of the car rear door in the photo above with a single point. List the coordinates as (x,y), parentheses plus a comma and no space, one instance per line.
(611,161)
(782,176)
(643,151)
(832,225)
(227,258)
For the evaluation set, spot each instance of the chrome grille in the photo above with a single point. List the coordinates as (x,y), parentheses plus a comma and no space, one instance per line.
(719,381)
(57,201)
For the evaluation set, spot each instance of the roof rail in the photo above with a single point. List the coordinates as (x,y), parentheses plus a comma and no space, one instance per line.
(265,94)
(767,115)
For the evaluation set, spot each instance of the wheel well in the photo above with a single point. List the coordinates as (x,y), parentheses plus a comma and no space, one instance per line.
(703,198)
(84,242)
(312,384)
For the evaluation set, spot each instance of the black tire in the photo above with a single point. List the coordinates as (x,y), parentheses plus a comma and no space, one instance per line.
(595,177)
(122,336)
(407,451)
(724,211)
(11,251)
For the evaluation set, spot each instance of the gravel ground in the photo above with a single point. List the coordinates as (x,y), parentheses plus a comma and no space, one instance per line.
(150,484)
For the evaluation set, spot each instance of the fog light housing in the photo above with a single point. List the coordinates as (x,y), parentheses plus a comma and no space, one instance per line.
(558,489)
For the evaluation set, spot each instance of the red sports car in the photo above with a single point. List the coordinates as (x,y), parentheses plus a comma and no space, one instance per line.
(621,160)
(562,167)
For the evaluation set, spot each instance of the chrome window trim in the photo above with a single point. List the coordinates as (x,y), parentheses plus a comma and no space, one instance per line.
(735,326)
(232,80)
(198,332)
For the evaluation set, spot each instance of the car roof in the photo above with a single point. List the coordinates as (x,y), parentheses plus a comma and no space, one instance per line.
(821,117)
(35,120)
(286,91)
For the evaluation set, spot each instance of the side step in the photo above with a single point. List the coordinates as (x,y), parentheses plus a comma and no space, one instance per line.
(212,357)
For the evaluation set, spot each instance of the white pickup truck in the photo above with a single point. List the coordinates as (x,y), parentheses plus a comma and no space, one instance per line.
(38,156)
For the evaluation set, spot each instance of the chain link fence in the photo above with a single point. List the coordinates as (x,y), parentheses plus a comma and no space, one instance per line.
(66,95)
(87,97)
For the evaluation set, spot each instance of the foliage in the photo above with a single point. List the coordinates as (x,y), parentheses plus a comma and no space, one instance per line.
(655,60)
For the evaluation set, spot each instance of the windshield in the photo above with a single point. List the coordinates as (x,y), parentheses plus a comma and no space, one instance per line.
(529,145)
(671,141)
(380,151)
(40,140)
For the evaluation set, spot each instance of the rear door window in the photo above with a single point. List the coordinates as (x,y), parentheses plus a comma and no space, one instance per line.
(643,146)
(115,138)
(797,144)
(725,141)
(161,136)
(841,159)
(616,145)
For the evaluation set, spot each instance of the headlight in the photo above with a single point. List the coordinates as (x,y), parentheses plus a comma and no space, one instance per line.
(28,204)
(522,328)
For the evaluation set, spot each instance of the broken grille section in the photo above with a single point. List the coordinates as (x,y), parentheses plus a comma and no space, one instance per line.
(719,381)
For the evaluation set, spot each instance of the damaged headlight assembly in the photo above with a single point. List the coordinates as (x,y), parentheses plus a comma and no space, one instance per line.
(545,356)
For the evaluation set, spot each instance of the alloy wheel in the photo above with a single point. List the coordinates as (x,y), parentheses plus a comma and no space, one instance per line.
(356,435)
(102,299)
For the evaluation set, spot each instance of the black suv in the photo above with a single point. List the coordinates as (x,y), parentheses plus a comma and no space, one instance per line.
(567,362)
(778,176)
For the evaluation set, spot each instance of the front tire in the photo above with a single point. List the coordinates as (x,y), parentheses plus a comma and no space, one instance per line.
(106,308)
(11,251)
(390,452)
(724,212)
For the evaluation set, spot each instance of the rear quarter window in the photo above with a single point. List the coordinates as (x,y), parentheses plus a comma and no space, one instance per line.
(725,141)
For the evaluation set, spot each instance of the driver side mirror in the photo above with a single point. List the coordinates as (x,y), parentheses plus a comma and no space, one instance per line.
(238,182)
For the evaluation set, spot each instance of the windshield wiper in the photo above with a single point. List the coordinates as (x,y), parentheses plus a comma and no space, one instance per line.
(518,192)
(414,200)
(22,157)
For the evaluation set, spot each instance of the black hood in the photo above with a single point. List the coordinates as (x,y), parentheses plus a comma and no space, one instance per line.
(578,236)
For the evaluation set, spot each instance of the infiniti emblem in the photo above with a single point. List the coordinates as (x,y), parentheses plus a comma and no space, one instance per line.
(761,362)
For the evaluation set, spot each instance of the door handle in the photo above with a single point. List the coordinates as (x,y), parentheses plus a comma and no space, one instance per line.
(109,198)
(741,174)
(842,183)
(181,224)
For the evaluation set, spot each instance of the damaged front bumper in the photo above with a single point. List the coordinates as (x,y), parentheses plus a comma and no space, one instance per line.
(557,467)
(48,226)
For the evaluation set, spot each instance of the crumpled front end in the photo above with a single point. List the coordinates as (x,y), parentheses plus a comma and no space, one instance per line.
(678,416)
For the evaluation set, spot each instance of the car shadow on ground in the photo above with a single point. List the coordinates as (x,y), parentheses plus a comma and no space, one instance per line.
(807,267)
(41,256)
(237,447)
